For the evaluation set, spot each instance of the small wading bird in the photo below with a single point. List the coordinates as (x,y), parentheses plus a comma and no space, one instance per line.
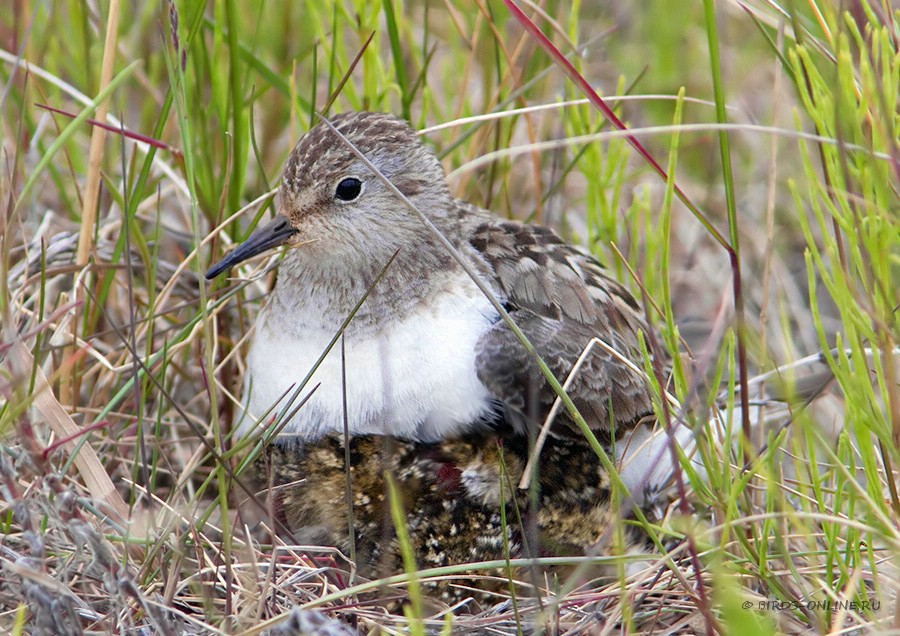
(435,388)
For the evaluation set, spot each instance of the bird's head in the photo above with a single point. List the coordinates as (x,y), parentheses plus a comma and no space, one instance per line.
(333,200)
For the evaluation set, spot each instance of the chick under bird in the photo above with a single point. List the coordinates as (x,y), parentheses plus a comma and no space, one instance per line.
(437,390)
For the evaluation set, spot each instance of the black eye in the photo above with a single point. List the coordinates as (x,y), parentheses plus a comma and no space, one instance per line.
(348,189)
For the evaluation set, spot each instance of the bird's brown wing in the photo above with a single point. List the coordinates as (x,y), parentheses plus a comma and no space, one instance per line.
(561,299)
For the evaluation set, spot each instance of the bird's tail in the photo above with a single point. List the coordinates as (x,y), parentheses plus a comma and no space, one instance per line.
(645,458)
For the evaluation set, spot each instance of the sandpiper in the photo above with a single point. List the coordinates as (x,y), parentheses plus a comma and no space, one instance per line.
(432,386)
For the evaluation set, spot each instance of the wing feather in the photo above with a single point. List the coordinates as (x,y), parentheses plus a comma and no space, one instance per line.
(561,298)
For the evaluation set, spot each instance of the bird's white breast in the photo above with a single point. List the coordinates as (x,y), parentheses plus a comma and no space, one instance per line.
(415,378)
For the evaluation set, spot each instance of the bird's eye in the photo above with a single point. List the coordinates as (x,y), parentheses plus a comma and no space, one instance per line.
(348,189)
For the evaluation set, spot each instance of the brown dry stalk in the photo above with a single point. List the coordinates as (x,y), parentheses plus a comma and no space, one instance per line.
(98,136)
(89,466)
(69,388)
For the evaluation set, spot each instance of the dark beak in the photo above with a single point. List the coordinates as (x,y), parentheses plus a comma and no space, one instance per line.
(275,233)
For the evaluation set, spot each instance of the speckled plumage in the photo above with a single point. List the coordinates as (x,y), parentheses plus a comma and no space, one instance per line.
(451,492)
(436,383)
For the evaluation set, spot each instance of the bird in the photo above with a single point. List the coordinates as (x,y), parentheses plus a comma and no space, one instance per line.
(383,357)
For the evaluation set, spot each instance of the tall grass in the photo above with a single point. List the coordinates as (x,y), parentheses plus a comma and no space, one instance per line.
(777,125)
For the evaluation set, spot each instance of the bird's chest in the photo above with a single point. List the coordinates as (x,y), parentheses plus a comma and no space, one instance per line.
(413,377)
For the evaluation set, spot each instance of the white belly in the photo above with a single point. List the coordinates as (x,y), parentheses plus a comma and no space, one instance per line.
(415,381)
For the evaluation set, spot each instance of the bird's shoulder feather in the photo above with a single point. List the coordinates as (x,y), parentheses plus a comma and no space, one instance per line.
(561,298)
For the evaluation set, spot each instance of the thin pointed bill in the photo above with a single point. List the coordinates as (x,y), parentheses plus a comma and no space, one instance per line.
(275,233)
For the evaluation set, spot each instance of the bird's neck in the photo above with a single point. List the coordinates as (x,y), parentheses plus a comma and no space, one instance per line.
(320,290)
